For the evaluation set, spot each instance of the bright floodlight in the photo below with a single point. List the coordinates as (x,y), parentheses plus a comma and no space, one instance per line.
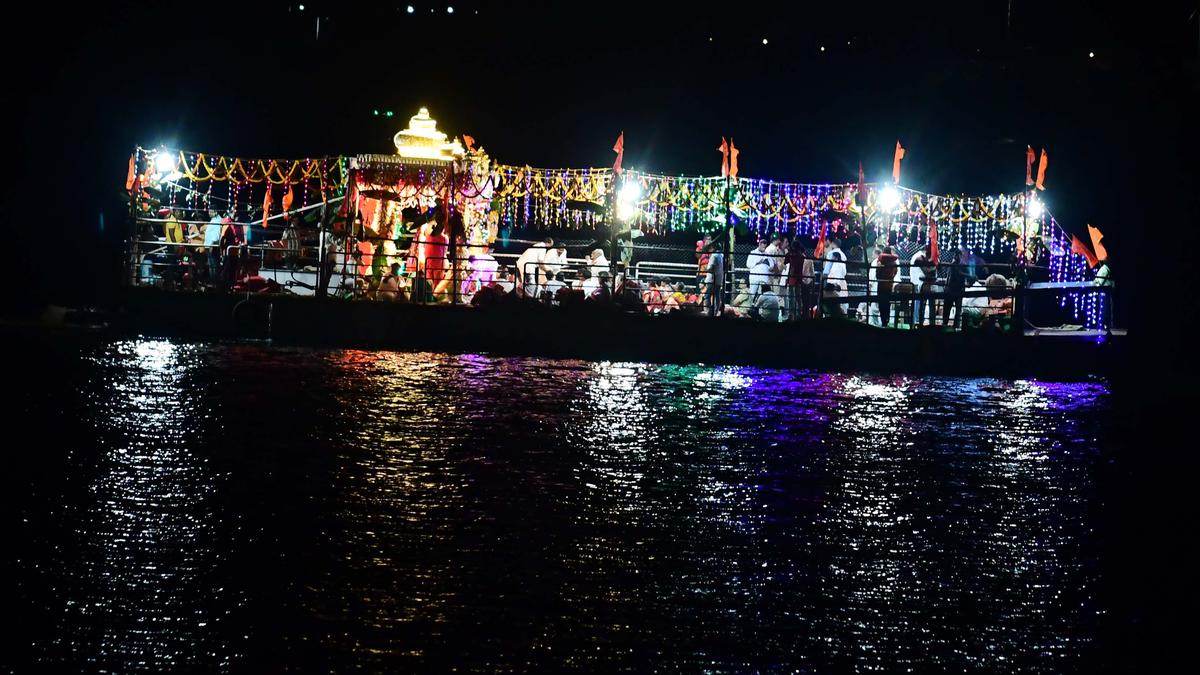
(764,41)
(1036,209)
(449,10)
(165,162)
(411,9)
(301,8)
(627,199)
(889,198)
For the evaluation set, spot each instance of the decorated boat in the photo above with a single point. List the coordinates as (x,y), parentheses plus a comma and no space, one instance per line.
(398,250)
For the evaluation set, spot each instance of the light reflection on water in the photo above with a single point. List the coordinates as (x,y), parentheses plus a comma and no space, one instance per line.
(333,509)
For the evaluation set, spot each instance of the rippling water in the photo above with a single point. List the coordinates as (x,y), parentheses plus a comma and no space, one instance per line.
(244,507)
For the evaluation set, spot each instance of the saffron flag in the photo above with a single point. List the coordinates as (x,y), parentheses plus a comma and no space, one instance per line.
(733,153)
(933,243)
(724,150)
(267,204)
(287,201)
(131,177)
(1081,248)
(1029,165)
(468,141)
(1041,178)
(820,249)
(861,196)
(1096,235)
(619,148)
(896,163)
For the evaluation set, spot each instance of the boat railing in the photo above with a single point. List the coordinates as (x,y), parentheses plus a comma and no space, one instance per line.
(312,263)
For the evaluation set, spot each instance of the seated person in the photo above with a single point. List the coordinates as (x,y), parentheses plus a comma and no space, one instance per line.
(552,286)
(603,292)
(742,300)
(831,301)
(389,286)
(766,307)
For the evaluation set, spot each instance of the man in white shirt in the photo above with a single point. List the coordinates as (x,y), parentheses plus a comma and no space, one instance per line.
(835,269)
(529,264)
(597,263)
(552,263)
(916,273)
(870,310)
(759,265)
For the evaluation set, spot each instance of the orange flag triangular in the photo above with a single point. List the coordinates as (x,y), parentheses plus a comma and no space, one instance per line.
(1029,165)
(1096,235)
(619,148)
(724,150)
(267,205)
(131,177)
(933,242)
(896,163)
(287,201)
(1081,248)
(820,249)
(733,153)
(1041,179)
(468,141)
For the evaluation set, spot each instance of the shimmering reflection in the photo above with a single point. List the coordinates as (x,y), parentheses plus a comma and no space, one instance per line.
(139,594)
(253,508)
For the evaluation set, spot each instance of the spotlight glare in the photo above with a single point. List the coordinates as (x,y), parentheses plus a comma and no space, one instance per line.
(1036,208)
(164,162)
(627,198)
(411,9)
(889,198)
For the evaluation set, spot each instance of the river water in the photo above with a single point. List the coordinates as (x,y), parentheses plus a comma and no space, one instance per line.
(205,506)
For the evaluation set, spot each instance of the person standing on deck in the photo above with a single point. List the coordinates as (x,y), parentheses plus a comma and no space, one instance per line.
(212,244)
(794,300)
(714,291)
(172,232)
(916,273)
(956,281)
(870,310)
(759,266)
(885,275)
(835,270)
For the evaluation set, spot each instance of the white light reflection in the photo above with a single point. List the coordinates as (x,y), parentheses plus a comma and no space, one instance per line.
(148,541)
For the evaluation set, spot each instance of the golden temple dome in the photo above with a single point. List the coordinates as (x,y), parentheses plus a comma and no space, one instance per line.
(422,140)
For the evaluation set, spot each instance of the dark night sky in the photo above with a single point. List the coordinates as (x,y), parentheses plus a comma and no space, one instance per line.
(552,84)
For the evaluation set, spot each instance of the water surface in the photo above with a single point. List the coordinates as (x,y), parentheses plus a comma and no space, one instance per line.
(208,506)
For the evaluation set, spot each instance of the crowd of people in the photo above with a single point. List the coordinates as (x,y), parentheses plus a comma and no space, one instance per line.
(780,279)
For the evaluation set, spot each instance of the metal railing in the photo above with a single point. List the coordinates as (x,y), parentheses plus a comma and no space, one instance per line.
(361,268)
